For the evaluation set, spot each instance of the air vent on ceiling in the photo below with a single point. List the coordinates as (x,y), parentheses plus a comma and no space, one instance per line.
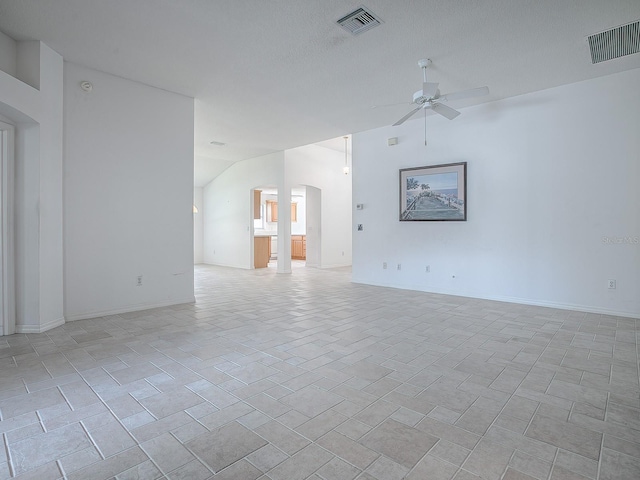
(614,43)
(359,21)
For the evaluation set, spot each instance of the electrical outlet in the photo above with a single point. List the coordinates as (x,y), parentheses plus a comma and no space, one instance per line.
(611,284)
(427,269)
(384,265)
(139,284)
(399,266)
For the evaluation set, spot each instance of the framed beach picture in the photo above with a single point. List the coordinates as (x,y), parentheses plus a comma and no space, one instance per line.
(434,194)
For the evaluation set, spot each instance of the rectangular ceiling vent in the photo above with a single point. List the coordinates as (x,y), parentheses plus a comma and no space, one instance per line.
(614,43)
(359,21)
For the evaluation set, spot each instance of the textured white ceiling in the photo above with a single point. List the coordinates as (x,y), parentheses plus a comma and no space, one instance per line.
(272,75)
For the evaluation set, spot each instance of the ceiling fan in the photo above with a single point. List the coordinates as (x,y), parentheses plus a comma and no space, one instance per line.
(430,98)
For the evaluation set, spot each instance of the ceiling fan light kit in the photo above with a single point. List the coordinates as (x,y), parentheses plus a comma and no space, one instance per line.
(430,98)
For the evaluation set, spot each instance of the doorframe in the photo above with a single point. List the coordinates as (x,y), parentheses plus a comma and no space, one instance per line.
(7,251)
(314,217)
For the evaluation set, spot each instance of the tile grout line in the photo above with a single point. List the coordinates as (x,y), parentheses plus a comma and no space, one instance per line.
(61,468)
(88,434)
(12,470)
(602,440)
(513,454)
(553,464)
(41,421)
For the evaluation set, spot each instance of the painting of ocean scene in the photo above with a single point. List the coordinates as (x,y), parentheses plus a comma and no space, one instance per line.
(435,193)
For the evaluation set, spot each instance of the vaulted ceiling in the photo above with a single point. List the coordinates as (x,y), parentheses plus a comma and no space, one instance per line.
(277,74)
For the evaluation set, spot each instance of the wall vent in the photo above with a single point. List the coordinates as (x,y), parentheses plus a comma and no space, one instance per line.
(614,43)
(359,21)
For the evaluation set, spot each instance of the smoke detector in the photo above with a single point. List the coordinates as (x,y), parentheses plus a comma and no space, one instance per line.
(86,86)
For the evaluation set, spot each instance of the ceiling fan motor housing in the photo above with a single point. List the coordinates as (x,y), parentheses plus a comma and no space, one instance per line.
(420,99)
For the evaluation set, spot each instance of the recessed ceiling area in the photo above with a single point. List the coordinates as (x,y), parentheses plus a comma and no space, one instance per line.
(269,76)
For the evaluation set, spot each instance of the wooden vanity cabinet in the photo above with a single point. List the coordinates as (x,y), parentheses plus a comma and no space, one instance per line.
(299,247)
(272,208)
(261,251)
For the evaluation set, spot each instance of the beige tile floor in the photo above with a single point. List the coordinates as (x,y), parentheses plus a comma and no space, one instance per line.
(307,376)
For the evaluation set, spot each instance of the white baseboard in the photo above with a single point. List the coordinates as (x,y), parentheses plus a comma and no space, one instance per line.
(565,306)
(506,299)
(226,265)
(127,309)
(40,328)
(334,265)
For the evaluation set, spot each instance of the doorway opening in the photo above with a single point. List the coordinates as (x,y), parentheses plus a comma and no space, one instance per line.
(300,242)
(265,227)
(298,227)
(311,228)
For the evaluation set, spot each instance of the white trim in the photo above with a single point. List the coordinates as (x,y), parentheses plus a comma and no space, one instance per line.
(7,252)
(331,265)
(40,328)
(518,300)
(228,265)
(131,308)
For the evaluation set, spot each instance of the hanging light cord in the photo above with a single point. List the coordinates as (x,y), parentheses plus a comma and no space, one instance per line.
(425,127)
(346,165)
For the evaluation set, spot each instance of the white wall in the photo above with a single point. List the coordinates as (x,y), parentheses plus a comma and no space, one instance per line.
(314,226)
(50,205)
(28,64)
(321,168)
(8,54)
(128,195)
(299,227)
(551,174)
(228,223)
(31,99)
(198,225)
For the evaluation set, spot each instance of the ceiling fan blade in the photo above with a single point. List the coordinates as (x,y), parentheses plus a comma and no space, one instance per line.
(407,116)
(474,92)
(429,89)
(445,111)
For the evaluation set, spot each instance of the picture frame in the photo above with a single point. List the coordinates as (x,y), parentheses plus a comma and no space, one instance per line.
(436,193)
